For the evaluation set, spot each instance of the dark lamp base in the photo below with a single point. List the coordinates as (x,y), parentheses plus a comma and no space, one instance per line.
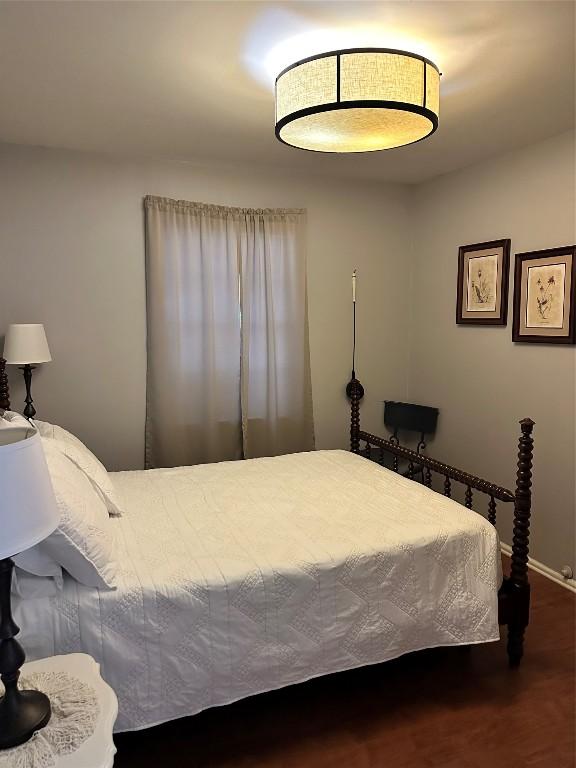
(20,718)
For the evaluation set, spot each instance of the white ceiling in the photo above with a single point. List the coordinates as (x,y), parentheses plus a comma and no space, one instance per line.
(187,80)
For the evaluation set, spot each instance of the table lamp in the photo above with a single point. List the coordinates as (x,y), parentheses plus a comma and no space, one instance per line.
(28,514)
(24,345)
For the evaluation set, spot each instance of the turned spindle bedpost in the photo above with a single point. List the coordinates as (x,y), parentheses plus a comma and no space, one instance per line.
(492,511)
(355,392)
(518,585)
(4,391)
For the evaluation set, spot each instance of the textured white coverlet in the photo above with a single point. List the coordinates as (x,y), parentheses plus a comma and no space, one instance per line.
(242,577)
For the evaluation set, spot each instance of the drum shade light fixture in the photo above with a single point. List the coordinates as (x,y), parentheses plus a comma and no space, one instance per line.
(357,100)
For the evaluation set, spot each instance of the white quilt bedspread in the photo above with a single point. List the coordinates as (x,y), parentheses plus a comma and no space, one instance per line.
(242,577)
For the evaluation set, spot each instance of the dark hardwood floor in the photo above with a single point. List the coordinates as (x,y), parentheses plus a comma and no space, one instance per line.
(446,708)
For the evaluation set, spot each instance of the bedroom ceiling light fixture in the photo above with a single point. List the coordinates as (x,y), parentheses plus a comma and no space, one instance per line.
(357,100)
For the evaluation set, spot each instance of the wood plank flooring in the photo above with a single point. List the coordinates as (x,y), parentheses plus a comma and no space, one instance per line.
(446,708)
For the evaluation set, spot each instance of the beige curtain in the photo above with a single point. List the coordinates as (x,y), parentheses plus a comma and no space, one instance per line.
(228,358)
(276,396)
(193,381)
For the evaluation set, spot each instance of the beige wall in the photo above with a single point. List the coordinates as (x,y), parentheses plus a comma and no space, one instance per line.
(481,381)
(72,257)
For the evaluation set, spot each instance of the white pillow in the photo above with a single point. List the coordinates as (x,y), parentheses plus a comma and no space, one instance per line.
(10,419)
(39,563)
(83,542)
(77,452)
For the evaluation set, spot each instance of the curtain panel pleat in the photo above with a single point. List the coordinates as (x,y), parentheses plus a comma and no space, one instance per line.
(228,371)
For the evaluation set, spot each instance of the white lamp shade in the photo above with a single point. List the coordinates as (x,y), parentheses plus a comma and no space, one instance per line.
(28,509)
(26,343)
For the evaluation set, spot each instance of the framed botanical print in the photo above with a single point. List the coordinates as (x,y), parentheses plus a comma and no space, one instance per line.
(482,296)
(545,296)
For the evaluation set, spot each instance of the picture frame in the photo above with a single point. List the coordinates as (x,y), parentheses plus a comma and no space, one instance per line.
(545,296)
(482,293)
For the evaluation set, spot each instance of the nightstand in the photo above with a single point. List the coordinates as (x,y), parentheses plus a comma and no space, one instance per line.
(98,750)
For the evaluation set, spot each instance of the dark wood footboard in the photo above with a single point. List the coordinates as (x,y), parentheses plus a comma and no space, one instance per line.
(514,594)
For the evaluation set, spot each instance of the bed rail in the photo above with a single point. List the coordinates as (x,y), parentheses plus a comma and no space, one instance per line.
(514,594)
(418,459)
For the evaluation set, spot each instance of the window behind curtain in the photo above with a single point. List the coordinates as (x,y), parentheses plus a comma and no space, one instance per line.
(228,356)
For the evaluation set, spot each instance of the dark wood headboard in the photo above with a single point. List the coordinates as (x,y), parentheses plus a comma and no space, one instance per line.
(4,388)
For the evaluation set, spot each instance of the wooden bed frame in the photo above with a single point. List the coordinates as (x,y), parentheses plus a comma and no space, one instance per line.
(514,594)
(4,391)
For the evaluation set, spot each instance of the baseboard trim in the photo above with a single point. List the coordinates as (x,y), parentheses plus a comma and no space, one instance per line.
(539,567)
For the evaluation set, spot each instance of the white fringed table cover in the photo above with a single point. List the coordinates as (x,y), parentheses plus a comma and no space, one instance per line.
(75,711)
